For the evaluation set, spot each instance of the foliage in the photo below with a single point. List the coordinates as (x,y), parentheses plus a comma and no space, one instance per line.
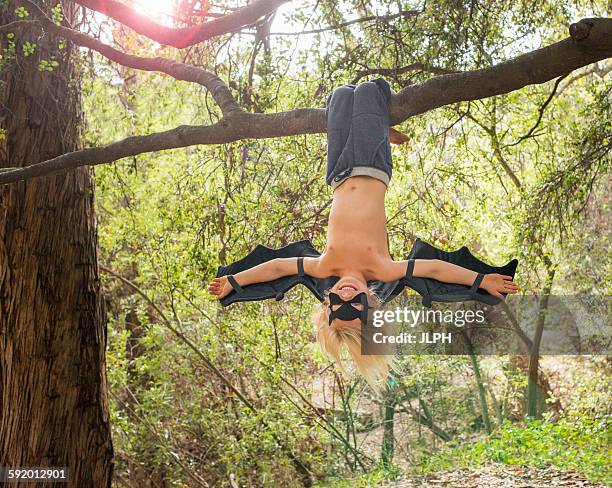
(579,444)
(373,478)
(167,220)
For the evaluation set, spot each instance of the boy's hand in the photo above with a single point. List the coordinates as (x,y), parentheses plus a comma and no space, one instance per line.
(396,137)
(497,284)
(220,287)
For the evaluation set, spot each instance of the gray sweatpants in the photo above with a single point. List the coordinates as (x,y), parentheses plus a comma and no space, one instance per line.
(358,132)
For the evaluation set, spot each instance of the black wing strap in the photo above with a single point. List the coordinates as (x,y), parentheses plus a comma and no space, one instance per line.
(237,288)
(300,265)
(476,283)
(410,268)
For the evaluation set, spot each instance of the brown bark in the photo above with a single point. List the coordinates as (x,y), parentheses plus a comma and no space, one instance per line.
(53,398)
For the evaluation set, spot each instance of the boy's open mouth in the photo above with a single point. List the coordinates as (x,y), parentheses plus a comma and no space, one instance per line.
(348,287)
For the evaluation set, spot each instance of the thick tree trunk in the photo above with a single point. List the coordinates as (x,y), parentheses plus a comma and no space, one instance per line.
(53,398)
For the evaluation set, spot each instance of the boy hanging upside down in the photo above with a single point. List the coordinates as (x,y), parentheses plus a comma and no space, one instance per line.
(356,272)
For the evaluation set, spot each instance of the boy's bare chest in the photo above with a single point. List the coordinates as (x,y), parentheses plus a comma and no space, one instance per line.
(361,256)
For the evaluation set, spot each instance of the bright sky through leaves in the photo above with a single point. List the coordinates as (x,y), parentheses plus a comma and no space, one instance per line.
(157,9)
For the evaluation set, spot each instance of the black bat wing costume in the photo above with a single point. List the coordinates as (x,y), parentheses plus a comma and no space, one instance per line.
(429,289)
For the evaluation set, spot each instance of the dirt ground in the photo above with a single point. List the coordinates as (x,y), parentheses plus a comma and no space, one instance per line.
(499,476)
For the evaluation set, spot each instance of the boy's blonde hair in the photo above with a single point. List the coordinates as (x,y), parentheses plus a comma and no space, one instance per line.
(339,335)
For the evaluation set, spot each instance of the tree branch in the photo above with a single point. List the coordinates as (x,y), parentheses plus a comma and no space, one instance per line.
(492,133)
(540,115)
(183,338)
(218,89)
(596,69)
(16,24)
(535,67)
(182,37)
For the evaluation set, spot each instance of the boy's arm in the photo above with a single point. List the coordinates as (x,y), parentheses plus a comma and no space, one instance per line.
(268,271)
(437,269)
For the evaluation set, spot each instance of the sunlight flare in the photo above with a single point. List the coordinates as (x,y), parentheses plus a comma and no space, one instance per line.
(156,8)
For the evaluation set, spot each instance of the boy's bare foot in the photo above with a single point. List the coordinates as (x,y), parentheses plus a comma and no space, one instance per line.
(396,137)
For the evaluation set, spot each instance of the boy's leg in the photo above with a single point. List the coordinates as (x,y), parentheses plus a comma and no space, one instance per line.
(370,124)
(339,113)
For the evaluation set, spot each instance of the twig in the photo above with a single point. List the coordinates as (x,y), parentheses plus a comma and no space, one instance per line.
(406,14)
(541,113)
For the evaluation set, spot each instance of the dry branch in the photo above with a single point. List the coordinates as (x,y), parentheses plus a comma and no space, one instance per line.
(600,71)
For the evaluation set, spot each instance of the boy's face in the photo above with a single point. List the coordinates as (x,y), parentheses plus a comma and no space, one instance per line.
(347,288)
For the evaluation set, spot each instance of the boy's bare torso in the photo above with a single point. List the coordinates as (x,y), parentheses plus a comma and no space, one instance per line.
(357,251)
(357,230)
